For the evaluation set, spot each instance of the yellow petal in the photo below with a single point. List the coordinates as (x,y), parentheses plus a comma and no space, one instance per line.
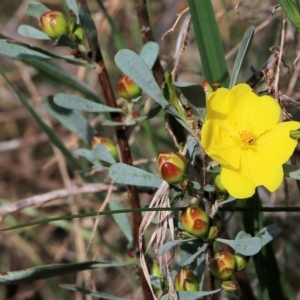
(251,112)
(216,104)
(236,184)
(219,145)
(277,142)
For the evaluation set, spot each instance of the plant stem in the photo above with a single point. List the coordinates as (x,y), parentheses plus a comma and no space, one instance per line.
(133,196)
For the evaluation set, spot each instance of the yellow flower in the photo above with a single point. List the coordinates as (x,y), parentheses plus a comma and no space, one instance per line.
(243,134)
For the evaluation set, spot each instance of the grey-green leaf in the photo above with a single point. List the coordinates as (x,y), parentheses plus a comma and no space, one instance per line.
(100,152)
(246,43)
(72,4)
(291,171)
(149,53)
(35,9)
(88,155)
(192,295)
(195,255)
(247,246)
(71,119)
(79,103)
(90,292)
(167,246)
(32,32)
(125,174)
(121,219)
(268,233)
(48,271)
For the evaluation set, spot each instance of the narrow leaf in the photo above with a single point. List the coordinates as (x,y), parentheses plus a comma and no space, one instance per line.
(192,295)
(167,246)
(209,42)
(48,271)
(121,220)
(100,152)
(32,32)
(195,255)
(90,292)
(292,10)
(268,233)
(72,4)
(88,155)
(246,43)
(79,103)
(73,120)
(50,133)
(125,174)
(89,27)
(35,9)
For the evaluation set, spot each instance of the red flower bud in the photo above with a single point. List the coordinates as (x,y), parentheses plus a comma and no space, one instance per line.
(241,261)
(128,89)
(195,221)
(186,280)
(107,143)
(172,166)
(229,286)
(223,265)
(54,24)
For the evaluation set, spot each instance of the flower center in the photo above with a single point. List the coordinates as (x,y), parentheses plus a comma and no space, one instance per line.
(246,138)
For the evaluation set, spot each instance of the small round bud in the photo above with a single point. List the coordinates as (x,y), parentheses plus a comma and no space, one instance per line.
(195,221)
(54,24)
(107,143)
(229,286)
(223,265)
(172,166)
(128,89)
(186,280)
(241,261)
(215,228)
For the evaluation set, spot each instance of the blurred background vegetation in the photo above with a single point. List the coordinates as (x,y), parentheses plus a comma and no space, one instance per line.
(30,166)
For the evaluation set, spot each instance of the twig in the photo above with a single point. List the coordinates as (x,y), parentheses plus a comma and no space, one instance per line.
(276,89)
(176,22)
(41,199)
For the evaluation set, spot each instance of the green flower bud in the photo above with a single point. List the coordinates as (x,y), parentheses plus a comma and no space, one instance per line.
(195,221)
(172,166)
(128,89)
(223,265)
(229,286)
(215,228)
(54,24)
(107,143)
(186,280)
(241,261)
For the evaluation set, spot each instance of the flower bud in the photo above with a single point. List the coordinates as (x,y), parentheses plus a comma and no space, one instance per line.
(107,143)
(172,166)
(241,261)
(229,286)
(208,90)
(223,265)
(195,221)
(128,89)
(186,280)
(215,228)
(78,35)
(54,24)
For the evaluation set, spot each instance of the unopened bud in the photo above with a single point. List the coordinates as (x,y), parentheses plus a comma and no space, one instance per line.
(128,89)
(186,280)
(107,143)
(172,166)
(54,24)
(241,261)
(208,90)
(215,228)
(229,286)
(223,265)
(195,221)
